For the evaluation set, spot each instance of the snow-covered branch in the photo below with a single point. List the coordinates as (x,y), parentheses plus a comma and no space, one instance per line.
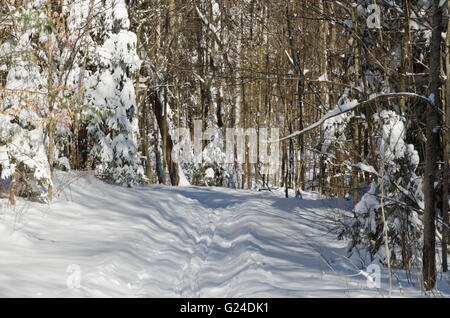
(352,105)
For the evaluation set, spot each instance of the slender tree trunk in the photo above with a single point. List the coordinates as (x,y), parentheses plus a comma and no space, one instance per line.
(404,68)
(12,192)
(325,97)
(385,227)
(446,140)
(404,56)
(158,160)
(285,171)
(247,125)
(164,128)
(51,100)
(143,120)
(300,178)
(356,148)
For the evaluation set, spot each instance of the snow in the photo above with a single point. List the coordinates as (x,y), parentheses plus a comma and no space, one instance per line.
(211,26)
(216,10)
(351,105)
(323,78)
(183,181)
(341,109)
(160,241)
(393,135)
(209,173)
(431,98)
(366,168)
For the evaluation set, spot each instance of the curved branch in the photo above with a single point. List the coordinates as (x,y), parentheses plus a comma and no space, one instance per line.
(342,109)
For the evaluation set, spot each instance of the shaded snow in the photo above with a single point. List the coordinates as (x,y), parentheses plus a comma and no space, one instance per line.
(159,241)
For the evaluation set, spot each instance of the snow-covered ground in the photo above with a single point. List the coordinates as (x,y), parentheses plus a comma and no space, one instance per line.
(160,241)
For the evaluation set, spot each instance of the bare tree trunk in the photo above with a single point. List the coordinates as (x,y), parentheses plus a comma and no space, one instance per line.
(141,106)
(247,125)
(356,148)
(164,129)
(173,167)
(12,193)
(404,55)
(404,68)
(385,227)
(432,144)
(300,177)
(143,127)
(446,140)
(157,153)
(51,100)
(323,32)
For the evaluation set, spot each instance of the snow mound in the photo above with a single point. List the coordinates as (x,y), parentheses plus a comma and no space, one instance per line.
(13,237)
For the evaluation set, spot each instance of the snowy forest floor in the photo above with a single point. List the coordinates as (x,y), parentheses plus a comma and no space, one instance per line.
(161,241)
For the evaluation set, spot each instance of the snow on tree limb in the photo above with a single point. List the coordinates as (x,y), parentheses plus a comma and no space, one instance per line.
(352,105)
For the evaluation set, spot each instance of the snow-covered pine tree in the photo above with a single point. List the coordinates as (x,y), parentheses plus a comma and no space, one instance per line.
(110,96)
(403,197)
(23,103)
(89,30)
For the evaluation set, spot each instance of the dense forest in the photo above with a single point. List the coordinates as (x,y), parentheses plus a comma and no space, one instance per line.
(345,98)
